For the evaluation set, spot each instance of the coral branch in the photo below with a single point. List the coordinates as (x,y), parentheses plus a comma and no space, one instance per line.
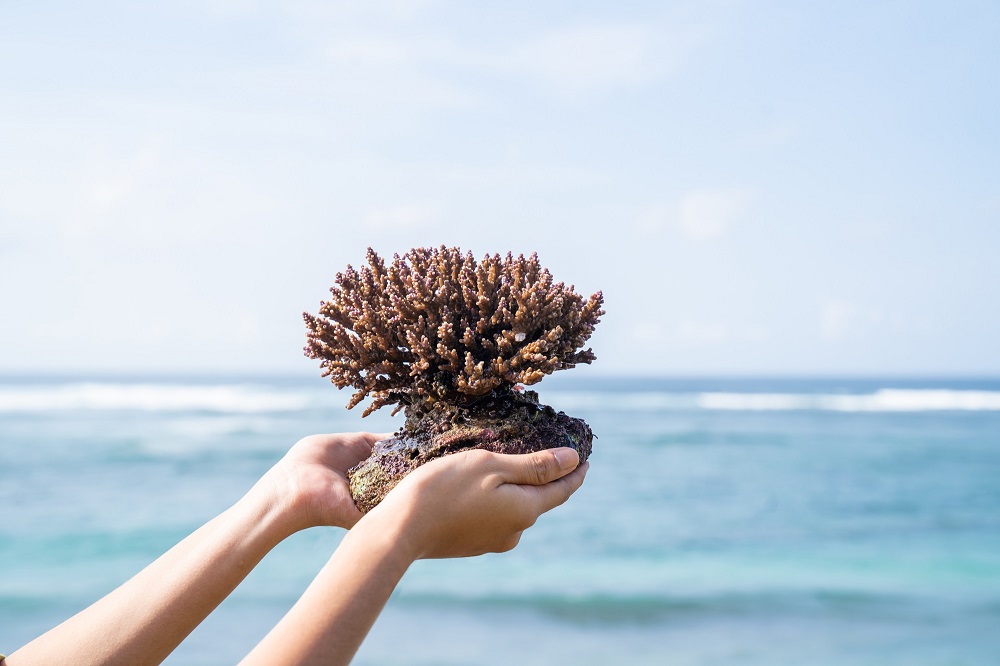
(437,324)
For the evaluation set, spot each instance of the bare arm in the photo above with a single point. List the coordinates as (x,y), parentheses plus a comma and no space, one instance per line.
(464,504)
(142,621)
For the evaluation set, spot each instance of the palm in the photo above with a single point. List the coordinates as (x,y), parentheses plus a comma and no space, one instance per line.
(316,470)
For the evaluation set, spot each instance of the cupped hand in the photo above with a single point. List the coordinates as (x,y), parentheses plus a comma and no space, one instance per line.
(312,478)
(478,502)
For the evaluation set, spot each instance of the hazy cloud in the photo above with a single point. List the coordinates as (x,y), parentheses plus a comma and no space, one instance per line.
(699,333)
(708,214)
(585,59)
(372,52)
(653,219)
(836,319)
(841,319)
(701,215)
(577,60)
(400,217)
(295,134)
(649,333)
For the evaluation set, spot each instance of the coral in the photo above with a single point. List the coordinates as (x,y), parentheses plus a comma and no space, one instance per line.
(450,340)
(436,324)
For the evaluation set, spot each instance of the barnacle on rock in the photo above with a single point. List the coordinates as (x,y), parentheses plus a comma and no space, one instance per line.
(450,339)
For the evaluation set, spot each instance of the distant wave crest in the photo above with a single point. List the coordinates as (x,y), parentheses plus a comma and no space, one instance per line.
(238,398)
(882,400)
(260,398)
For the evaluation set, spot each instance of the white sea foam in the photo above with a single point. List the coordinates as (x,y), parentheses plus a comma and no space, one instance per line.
(636,401)
(257,398)
(234,398)
(882,400)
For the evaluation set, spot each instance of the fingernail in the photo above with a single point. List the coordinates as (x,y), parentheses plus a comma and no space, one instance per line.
(567,458)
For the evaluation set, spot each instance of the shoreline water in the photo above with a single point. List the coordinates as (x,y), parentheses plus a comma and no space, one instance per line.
(726,533)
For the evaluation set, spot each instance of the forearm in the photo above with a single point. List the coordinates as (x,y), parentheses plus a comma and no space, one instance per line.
(467,504)
(142,621)
(333,616)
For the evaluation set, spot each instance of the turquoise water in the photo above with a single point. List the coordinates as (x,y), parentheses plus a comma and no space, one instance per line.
(722,522)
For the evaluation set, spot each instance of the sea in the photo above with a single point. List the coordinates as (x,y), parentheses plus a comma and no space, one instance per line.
(723,521)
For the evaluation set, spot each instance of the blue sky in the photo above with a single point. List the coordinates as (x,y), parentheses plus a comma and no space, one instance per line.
(758,188)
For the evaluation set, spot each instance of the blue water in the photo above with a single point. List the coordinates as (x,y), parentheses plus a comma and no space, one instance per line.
(722,522)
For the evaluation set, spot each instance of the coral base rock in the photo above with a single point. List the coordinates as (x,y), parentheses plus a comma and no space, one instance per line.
(511,422)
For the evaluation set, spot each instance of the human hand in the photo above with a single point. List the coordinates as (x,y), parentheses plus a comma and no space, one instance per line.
(311,480)
(477,502)
(463,504)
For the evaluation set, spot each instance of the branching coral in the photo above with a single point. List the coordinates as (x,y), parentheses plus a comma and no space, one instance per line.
(435,324)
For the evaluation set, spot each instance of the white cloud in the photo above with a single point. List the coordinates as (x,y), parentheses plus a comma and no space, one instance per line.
(701,215)
(837,318)
(701,333)
(578,60)
(694,332)
(369,52)
(649,333)
(118,177)
(517,174)
(840,319)
(708,214)
(588,58)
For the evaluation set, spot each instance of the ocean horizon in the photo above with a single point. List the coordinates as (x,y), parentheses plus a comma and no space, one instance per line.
(725,520)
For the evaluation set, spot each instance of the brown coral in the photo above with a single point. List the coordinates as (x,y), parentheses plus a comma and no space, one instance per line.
(436,324)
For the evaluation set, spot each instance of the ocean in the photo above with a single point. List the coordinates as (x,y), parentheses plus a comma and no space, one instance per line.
(723,521)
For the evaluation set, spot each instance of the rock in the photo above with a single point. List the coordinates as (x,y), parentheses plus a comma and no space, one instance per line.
(509,422)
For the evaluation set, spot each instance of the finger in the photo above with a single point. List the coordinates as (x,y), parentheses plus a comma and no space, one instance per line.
(348,450)
(557,492)
(537,468)
(373,437)
(362,443)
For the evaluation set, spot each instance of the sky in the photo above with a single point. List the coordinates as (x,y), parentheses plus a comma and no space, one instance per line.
(758,188)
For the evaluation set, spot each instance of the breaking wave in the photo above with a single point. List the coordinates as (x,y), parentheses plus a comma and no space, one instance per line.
(234,398)
(246,398)
(882,400)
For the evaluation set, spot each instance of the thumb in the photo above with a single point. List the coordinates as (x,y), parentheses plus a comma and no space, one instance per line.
(540,467)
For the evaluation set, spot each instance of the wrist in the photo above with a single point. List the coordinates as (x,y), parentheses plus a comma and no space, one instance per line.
(274,508)
(391,529)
